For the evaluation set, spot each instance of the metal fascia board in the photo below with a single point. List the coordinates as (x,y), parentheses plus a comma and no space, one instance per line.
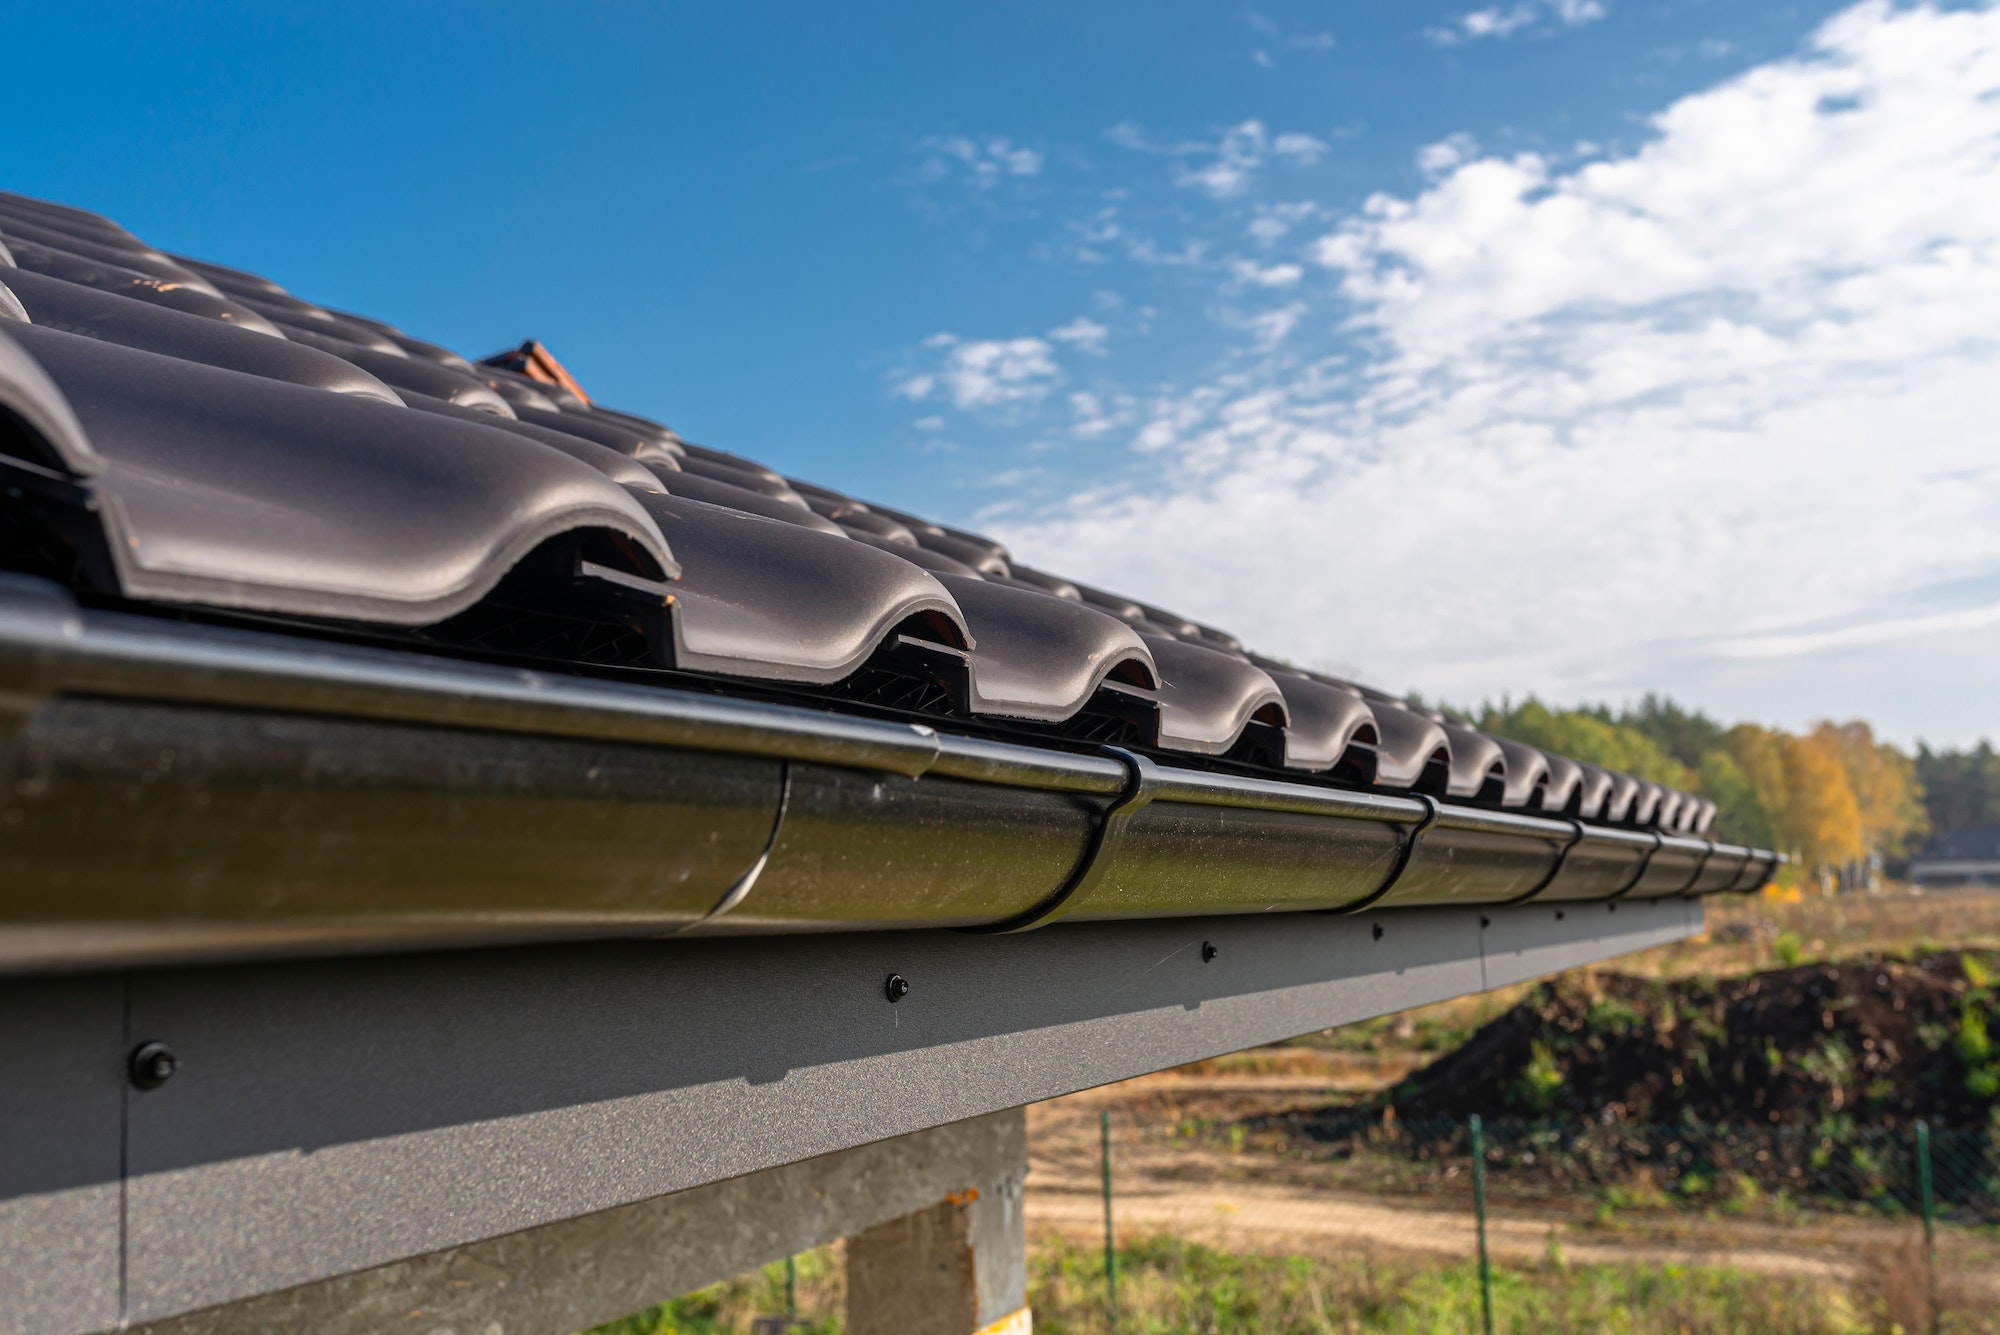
(339,1114)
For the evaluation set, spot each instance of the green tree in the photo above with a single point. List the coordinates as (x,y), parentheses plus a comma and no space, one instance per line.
(1740,817)
(1689,736)
(1960,788)
(1585,735)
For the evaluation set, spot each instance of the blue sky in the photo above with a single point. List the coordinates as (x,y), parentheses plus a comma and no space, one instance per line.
(1577,346)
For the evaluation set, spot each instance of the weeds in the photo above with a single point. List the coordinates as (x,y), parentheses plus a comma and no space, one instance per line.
(1168,1285)
(731,1307)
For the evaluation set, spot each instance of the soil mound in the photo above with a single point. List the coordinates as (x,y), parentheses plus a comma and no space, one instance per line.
(1872,1040)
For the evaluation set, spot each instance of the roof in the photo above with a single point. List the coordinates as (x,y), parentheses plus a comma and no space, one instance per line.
(1975,843)
(194,440)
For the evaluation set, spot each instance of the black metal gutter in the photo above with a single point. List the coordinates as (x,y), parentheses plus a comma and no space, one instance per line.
(178,793)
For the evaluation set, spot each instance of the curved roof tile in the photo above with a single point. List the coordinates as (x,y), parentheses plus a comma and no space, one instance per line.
(1208,698)
(762,598)
(236,491)
(1037,657)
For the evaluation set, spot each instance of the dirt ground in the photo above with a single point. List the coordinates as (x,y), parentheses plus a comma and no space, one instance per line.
(1259,1202)
(1255,1197)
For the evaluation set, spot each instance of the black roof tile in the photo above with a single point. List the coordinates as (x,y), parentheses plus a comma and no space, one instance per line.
(231,490)
(54,304)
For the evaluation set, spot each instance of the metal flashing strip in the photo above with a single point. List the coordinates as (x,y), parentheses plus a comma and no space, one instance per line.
(48,648)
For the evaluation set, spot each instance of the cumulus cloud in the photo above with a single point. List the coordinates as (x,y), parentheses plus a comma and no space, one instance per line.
(1447,153)
(983,373)
(1724,399)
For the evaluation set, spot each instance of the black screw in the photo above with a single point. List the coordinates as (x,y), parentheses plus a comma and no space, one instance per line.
(1208,951)
(1378,931)
(896,987)
(152,1065)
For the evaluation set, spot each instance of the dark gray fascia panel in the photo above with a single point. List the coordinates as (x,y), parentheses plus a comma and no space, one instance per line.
(62,1094)
(334,1115)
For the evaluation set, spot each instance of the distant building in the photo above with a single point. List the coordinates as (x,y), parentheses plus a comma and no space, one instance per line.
(1959,857)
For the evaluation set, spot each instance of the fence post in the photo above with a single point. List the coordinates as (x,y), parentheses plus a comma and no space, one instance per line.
(1930,1215)
(1110,1253)
(1479,1213)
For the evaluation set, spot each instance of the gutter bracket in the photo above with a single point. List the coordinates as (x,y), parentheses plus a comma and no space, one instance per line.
(1706,855)
(1407,851)
(1555,870)
(1142,780)
(1644,863)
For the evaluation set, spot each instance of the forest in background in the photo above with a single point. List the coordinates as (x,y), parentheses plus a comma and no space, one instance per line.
(1834,796)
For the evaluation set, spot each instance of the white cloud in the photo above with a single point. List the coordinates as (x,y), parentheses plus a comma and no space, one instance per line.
(1447,153)
(1506,20)
(1092,416)
(985,162)
(1239,153)
(1300,147)
(1275,221)
(1722,401)
(1280,40)
(984,373)
(1083,333)
(1273,327)
(1223,168)
(1267,275)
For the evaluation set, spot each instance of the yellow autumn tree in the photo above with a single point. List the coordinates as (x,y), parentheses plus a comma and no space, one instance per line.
(1822,819)
(1884,782)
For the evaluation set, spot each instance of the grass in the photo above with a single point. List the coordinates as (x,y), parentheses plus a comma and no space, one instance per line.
(1167,1286)
(731,1308)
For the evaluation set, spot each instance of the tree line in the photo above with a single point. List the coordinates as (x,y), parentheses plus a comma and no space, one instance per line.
(1833,796)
